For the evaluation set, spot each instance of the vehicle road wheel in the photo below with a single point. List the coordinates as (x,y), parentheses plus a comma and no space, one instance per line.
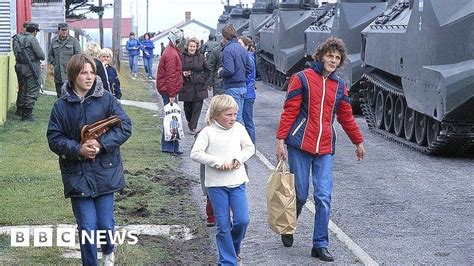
(409,123)
(388,112)
(420,128)
(399,112)
(433,130)
(379,104)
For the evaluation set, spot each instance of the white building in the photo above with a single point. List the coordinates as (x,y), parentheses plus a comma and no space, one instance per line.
(191,28)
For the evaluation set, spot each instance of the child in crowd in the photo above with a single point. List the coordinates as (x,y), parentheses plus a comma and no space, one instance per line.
(210,218)
(106,57)
(223,147)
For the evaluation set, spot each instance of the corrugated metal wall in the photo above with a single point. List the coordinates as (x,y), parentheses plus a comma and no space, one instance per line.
(5,26)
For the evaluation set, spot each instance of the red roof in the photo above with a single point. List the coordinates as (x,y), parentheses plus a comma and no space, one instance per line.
(108,22)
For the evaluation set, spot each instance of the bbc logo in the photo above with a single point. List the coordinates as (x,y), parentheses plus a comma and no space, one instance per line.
(43,237)
(66,237)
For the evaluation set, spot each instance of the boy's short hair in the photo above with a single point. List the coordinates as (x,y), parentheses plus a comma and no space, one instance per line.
(106,51)
(228,32)
(218,105)
(76,64)
(330,45)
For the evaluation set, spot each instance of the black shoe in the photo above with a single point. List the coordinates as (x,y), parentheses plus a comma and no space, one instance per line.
(27,115)
(19,111)
(287,240)
(322,254)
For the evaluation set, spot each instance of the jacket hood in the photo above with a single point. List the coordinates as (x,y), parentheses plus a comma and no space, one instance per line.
(317,66)
(97,90)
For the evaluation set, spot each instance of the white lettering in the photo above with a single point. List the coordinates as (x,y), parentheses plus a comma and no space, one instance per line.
(132,234)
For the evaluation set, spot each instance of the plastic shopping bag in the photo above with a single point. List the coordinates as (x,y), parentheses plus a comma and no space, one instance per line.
(172,125)
(281,200)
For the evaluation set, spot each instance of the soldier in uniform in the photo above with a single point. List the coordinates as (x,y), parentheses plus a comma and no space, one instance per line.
(215,62)
(18,73)
(62,48)
(28,54)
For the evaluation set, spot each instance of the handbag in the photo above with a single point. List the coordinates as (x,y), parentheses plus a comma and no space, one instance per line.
(97,129)
(281,200)
(172,125)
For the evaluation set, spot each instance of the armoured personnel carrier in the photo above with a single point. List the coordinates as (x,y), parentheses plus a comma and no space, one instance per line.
(345,19)
(281,45)
(239,17)
(420,90)
(260,13)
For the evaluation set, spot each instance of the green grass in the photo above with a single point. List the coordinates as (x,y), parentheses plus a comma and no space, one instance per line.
(133,89)
(32,190)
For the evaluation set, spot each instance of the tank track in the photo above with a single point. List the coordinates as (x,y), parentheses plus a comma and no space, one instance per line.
(448,142)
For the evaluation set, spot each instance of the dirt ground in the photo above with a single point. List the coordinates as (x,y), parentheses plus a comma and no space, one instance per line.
(185,211)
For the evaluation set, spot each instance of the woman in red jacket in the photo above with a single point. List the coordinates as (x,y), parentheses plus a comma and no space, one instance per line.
(169,81)
(315,96)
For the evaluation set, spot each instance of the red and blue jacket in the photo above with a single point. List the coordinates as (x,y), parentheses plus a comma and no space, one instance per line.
(311,104)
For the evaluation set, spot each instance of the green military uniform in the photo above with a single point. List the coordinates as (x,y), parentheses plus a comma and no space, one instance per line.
(60,51)
(19,104)
(31,85)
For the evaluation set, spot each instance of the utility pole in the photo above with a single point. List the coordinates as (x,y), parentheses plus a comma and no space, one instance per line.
(101,24)
(116,33)
(147,16)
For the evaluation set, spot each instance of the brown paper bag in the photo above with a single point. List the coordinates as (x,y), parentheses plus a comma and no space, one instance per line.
(281,200)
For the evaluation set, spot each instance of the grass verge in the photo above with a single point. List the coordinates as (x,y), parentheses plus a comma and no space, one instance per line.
(32,191)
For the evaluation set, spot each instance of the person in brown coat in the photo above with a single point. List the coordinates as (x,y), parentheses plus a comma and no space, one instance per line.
(195,73)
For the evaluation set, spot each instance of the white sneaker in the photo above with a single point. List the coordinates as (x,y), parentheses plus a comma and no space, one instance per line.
(109,259)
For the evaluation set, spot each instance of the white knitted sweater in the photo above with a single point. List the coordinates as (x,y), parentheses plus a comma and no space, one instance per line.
(216,145)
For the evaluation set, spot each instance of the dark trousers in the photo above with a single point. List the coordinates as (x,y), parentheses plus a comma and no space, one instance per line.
(58,89)
(192,111)
(30,92)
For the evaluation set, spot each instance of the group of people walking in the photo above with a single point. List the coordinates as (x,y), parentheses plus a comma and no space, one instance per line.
(227,68)
(316,96)
(92,169)
(134,46)
(29,54)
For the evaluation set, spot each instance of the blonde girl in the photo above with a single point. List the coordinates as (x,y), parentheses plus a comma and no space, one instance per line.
(223,147)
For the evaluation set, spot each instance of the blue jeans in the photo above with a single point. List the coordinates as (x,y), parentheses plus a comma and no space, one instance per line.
(168,146)
(301,163)
(148,63)
(229,233)
(133,63)
(239,95)
(94,214)
(248,118)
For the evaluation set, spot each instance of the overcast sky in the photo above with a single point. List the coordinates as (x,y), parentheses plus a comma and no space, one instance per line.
(163,14)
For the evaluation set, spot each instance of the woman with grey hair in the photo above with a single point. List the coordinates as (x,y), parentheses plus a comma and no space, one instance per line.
(93,50)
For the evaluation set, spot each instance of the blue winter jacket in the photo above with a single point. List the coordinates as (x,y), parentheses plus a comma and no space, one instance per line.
(235,65)
(133,47)
(85,177)
(251,77)
(148,47)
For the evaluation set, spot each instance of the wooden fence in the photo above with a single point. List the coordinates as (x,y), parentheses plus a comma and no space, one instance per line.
(8,85)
